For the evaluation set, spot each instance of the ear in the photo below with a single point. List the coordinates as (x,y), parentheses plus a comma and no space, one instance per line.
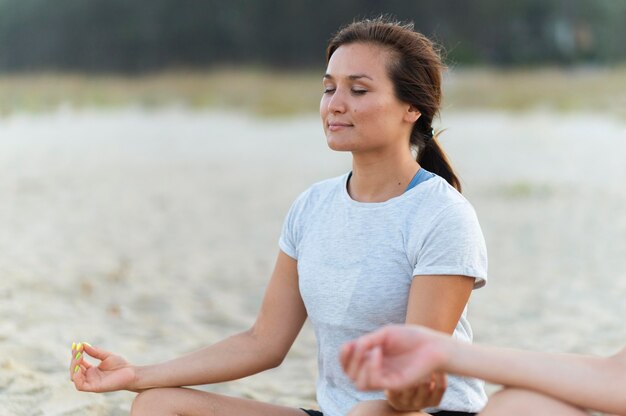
(412,114)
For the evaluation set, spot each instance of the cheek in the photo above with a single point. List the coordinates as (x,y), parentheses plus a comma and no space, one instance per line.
(323,106)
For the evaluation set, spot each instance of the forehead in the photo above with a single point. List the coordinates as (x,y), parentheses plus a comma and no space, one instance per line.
(359,58)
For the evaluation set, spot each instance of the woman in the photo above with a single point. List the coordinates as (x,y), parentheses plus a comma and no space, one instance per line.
(396,357)
(389,242)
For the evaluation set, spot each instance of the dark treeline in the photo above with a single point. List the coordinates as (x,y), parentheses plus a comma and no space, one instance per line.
(147,35)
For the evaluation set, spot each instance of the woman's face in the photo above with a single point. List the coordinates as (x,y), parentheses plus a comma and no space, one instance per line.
(359,109)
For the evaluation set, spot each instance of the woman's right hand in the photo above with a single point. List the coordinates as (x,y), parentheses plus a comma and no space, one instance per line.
(111,374)
(426,394)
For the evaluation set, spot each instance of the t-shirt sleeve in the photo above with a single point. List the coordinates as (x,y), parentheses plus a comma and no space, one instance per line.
(291,231)
(454,245)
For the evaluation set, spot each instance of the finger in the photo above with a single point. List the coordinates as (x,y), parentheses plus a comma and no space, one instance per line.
(349,358)
(393,398)
(363,369)
(431,387)
(371,370)
(373,339)
(79,351)
(73,352)
(76,350)
(362,374)
(97,353)
(76,361)
(357,360)
(420,400)
(441,384)
(376,377)
(75,372)
(346,354)
(401,399)
(407,396)
(79,377)
(76,356)
(389,394)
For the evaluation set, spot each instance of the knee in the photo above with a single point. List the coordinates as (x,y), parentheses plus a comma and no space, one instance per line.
(368,408)
(513,401)
(358,410)
(151,402)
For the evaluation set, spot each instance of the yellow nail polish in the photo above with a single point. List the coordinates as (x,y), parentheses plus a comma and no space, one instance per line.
(73,346)
(78,356)
(79,347)
(86,343)
(76,368)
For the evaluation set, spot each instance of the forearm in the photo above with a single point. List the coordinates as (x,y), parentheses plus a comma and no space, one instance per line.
(235,357)
(587,382)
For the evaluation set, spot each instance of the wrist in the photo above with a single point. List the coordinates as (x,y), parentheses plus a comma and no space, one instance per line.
(449,350)
(456,353)
(135,384)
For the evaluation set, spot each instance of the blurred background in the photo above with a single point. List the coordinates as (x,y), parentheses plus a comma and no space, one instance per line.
(102,53)
(149,151)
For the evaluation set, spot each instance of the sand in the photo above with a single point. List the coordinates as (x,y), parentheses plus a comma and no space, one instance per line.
(153,233)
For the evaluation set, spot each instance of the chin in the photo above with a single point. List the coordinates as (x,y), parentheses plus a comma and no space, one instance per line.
(339,146)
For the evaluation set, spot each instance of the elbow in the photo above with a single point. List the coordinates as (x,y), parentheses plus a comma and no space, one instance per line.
(275,356)
(276,361)
(269,351)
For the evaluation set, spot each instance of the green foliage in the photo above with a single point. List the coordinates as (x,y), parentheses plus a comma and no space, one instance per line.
(146,35)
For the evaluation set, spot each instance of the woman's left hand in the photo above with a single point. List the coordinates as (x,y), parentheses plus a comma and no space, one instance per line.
(426,394)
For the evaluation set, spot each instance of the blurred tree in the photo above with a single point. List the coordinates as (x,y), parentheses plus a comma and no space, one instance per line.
(144,35)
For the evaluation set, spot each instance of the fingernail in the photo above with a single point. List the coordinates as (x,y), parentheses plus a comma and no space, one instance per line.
(76,368)
(86,343)
(73,346)
(78,356)
(79,347)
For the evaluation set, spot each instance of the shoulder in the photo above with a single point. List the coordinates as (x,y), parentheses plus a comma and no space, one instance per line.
(317,195)
(440,199)
(320,191)
(327,186)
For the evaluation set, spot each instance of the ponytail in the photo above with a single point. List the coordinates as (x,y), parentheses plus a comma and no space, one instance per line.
(429,154)
(432,158)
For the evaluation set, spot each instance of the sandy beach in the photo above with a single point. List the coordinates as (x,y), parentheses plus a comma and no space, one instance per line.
(153,233)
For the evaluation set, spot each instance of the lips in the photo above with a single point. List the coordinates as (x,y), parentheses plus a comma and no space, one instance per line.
(336,126)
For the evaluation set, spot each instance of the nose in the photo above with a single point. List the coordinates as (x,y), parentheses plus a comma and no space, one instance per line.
(337,103)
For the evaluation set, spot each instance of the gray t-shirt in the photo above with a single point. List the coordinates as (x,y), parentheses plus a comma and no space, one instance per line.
(356,262)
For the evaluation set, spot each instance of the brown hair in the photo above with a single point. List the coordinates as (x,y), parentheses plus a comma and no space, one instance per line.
(416,75)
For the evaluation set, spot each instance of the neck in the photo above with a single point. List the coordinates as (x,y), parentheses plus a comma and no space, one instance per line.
(380,178)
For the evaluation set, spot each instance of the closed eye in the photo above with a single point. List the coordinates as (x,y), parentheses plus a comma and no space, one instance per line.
(353,91)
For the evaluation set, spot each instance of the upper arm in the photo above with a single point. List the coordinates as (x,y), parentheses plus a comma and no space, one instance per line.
(437,301)
(282,312)
(449,262)
(453,244)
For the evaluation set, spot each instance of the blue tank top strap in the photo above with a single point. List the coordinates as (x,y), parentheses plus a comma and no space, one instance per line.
(422,175)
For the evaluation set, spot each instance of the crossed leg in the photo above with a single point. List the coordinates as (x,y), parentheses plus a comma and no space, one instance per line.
(379,408)
(513,402)
(188,402)
(178,401)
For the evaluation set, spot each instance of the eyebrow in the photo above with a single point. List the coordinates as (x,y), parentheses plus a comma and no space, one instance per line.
(351,77)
